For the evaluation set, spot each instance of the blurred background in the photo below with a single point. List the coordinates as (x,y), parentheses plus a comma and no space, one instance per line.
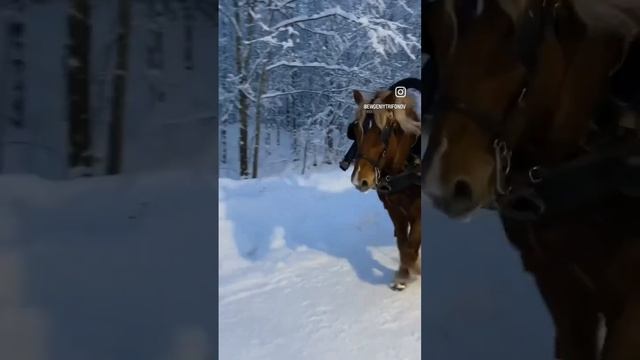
(108,118)
(95,87)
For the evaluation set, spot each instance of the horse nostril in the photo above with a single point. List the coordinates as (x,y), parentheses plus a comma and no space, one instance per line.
(364,184)
(462,191)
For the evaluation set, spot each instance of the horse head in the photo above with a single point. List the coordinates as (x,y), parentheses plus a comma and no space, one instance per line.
(518,80)
(386,127)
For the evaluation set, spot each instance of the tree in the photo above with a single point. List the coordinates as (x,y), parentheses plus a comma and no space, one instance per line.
(78,87)
(114,165)
(187,51)
(243,54)
(295,59)
(16,77)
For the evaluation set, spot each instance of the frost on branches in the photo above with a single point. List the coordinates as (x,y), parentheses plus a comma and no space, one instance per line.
(287,70)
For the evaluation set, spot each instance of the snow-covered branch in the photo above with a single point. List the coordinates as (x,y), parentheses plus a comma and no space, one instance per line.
(383,34)
(311,65)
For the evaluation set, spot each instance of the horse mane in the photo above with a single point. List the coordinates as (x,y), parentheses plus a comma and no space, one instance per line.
(619,16)
(513,8)
(408,118)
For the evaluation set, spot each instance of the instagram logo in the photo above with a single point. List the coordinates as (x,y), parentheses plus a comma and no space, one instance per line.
(401,91)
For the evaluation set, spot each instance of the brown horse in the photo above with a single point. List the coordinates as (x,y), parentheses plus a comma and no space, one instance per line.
(521,85)
(385,137)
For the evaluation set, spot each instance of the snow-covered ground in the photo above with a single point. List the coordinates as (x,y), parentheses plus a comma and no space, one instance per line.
(304,268)
(108,268)
(478,302)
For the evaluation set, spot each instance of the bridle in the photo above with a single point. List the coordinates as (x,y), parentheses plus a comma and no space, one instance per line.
(500,128)
(388,183)
(367,124)
(494,127)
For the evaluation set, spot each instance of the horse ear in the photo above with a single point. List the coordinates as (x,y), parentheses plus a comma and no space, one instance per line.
(358,97)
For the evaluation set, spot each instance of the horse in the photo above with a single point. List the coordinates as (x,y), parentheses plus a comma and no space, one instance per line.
(385,137)
(518,127)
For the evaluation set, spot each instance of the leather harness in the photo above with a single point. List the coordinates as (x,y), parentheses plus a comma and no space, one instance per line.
(536,192)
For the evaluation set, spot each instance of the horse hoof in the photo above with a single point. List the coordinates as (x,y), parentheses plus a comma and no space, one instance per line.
(398,286)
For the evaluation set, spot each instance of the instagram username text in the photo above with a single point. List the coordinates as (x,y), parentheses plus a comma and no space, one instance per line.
(384,106)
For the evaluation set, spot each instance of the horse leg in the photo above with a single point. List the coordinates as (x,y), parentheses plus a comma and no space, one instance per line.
(623,335)
(574,314)
(411,256)
(409,248)
(401,230)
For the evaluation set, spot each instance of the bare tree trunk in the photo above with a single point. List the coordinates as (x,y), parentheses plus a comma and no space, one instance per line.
(16,32)
(14,82)
(304,156)
(243,102)
(78,87)
(267,140)
(157,12)
(114,165)
(262,86)
(223,141)
(256,145)
(242,60)
(328,157)
(187,54)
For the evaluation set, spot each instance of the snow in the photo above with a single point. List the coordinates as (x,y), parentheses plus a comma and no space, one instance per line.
(158,132)
(311,64)
(107,268)
(305,264)
(479,302)
(382,33)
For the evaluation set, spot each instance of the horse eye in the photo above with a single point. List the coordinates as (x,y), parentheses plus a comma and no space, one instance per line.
(367,123)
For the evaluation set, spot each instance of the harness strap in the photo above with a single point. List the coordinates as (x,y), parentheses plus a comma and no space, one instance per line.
(394,183)
(585,181)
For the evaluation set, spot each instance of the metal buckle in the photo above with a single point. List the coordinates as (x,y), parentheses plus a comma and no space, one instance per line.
(383,186)
(523,93)
(534,175)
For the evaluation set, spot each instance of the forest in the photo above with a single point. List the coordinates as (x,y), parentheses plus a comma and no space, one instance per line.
(287,71)
(92,87)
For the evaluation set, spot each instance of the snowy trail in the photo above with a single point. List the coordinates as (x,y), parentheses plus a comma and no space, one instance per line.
(107,268)
(304,272)
(479,302)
